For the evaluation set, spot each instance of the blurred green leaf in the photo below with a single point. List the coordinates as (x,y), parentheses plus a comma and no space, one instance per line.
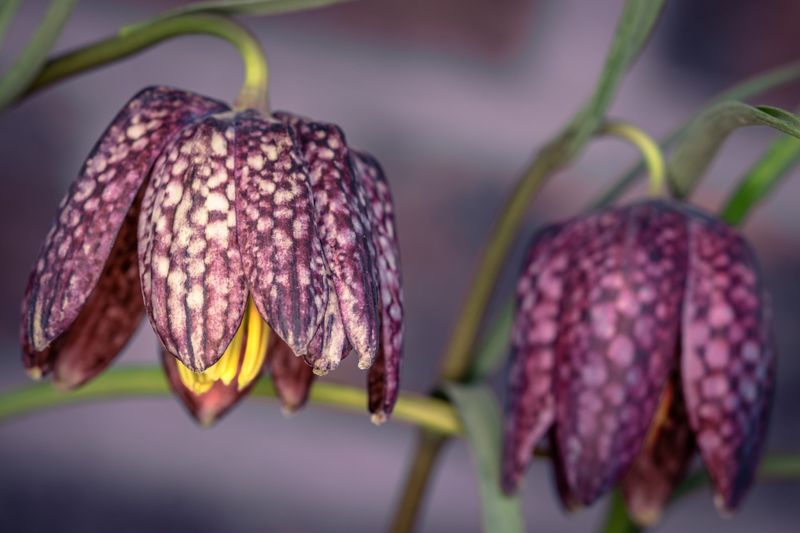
(782,155)
(493,348)
(478,409)
(239,7)
(7,11)
(634,27)
(709,131)
(24,69)
(747,89)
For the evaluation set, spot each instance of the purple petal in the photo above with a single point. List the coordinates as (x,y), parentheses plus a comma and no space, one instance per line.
(107,321)
(91,216)
(345,230)
(281,253)
(728,361)
(663,461)
(329,345)
(384,376)
(291,376)
(617,339)
(530,404)
(191,271)
(209,407)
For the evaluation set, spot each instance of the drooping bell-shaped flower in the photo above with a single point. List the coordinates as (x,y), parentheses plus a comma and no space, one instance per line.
(641,333)
(243,236)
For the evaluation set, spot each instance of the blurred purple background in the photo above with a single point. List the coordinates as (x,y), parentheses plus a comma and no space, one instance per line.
(453,97)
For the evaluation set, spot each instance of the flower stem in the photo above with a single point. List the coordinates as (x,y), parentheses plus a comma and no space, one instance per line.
(408,509)
(649,149)
(134,39)
(434,415)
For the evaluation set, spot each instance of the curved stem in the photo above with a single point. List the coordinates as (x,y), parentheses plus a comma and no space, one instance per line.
(649,149)
(432,414)
(133,40)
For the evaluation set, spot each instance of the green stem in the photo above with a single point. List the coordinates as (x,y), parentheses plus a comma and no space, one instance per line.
(649,149)
(134,40)
(428,447)
(437,416)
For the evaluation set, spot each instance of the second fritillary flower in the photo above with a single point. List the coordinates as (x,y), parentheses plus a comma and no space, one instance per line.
(641,334)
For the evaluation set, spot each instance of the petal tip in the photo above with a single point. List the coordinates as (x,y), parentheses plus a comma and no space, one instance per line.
(379,418)
(35,373)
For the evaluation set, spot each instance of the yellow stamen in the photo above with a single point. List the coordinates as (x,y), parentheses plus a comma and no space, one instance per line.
(256,349)
(248,347)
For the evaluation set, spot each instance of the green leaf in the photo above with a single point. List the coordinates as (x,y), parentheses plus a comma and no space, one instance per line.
(7,11)
(477,407)
(709,131)
(782,155)
(747,89)
(494,346)
(239,7)
(30,61)
(635,24)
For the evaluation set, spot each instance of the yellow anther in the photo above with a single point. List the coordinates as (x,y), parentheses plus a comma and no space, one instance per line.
(256,347)
(244,357)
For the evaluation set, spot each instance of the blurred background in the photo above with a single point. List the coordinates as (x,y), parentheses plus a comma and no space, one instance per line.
(453,97)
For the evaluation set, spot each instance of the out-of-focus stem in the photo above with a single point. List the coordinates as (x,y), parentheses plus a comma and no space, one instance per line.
(428,447)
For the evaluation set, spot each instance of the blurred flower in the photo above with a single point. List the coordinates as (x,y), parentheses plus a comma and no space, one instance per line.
(641,333)
(245,238)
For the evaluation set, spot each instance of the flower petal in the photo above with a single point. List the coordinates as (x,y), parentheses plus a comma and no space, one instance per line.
(281,253)
(384,377)
(728,362)
(345,231)
(663,461)
(191,270)
(530,400)
(210,406)
(617,339)
(91,215)
(330,345)
(291,376)
(107,320)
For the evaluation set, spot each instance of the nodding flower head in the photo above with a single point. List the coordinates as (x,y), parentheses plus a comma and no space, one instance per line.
(247,239)
(641,334)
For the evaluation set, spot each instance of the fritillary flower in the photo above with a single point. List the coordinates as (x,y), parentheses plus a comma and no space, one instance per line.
(642,334)
(247,239)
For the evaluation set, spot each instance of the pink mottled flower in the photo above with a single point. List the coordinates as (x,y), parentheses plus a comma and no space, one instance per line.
(247,239)
(641,334)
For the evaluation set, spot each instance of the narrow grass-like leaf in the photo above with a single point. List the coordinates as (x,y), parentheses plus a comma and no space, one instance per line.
(635,24)
(238,7)
(7,11)
(709,131)
(747,89)
(481,416)
(24,69)
(782,155)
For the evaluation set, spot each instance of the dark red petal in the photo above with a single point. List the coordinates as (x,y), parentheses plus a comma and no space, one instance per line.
(210,406)
(281,252)
(345,230)
(106,322)
(329,345)
(530,398)
(291,376)
(191,270)
(728,361)
(91,215)
(663,461)
(384,377)
(617,339)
